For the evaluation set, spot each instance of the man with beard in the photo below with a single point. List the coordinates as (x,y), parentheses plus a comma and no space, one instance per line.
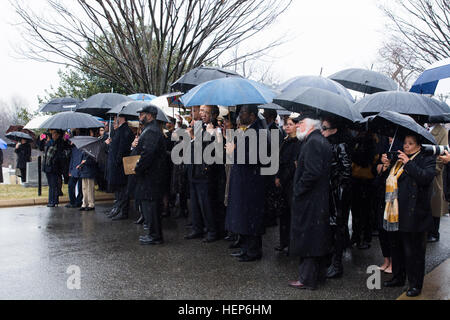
(245,211)
(310,222)
(149,174)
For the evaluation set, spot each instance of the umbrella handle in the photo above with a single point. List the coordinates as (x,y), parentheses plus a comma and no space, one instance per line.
(393,140)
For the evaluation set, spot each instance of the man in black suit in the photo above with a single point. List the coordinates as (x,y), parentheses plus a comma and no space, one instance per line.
(310,221)
(149,173)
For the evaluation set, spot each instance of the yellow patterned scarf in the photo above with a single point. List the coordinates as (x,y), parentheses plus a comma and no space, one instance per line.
(391,217)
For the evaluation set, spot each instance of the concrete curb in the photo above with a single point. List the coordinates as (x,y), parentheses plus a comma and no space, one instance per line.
(43,201)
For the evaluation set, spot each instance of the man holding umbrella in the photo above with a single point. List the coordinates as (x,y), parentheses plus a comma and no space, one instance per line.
(310,222)
(152,149)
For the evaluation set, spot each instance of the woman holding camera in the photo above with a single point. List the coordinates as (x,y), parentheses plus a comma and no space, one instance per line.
(407,214)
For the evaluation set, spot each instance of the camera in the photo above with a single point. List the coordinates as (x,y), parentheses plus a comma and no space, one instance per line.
(392,154)
(433,150)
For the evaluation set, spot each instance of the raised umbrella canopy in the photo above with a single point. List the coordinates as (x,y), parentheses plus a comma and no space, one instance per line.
(101,103)
(142,97)
(409,103)
(60,105)
(434,80)
(71,120)
(17,136)
(228,92)
(131,108)
(316,82)
(200,75)
(323,102)
(365,81)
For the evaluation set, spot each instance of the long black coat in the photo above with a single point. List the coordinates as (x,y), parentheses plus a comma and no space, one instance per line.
(23,155)
(414,194)
(149,169)
(119,148)
(245,211)
(310,218)
(289,152)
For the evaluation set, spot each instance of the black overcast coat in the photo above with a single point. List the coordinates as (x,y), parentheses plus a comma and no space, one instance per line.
(414,194)
(310,217)
(150,167)
(119,148)
(23,155)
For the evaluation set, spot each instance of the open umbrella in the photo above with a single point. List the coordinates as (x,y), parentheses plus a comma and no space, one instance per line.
(36,122)
(101,103)
(3,145)
(131,108)
(142,97)
(409,103)
(71,120)
(322,101)
(366,81)
(91,145)
(436,78)
(60,105)
(394,124)
(316,82)
(17,136)
(228,92)
(200,75)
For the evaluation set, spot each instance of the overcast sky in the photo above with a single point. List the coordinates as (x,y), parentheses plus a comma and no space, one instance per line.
(328,34)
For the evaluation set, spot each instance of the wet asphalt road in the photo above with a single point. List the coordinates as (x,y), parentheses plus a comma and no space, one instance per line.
(38,244)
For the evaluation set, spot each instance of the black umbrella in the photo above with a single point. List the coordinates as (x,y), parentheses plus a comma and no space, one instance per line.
(272,106)
(91,145)
(394,124)
(101,103)
(365,81)
(130,109)
(409,103)
(199,75)
(71,120)
(17,136)
(322,101)
(443,118)
(60,105)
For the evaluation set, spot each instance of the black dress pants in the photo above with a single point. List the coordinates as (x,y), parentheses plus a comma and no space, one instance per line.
(152,216)
(122,197)
(312,270)
(362,207)
(252,245)
(202,210)
(408,256)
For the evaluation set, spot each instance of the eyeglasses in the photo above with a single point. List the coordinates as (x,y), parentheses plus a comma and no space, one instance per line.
(326,128)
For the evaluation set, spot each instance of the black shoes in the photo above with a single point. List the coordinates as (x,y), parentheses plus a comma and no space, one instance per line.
(193,235)
(120,217)
(432,239)
(114,212)
(413,292)
(280,248)
(82,209)
(235,245)
(237,254)
(394,283)
(147,240)
(210,240)
(334,272)
(90,208)
(246,258)
(51,205)
(140,220)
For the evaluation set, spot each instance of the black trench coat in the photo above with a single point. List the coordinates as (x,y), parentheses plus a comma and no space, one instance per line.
(245,211)
(310,218)
(119,148)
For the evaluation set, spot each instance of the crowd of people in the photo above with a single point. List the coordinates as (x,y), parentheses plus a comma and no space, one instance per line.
(326,171)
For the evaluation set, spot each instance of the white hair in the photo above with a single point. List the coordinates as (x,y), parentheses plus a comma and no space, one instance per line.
(313,124)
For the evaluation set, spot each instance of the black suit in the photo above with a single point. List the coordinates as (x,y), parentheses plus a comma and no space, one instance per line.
(23,156)
(149,176)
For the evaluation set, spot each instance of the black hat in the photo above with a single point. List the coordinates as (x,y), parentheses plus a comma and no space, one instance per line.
(150,108)
(310,114)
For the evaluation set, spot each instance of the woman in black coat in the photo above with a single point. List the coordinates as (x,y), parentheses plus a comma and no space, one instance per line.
(340,190)
(289,151)
(53,165)
(408,232)
(23,151)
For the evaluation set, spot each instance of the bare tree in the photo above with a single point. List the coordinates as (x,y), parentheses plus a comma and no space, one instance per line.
(144,44)
(398,62)
(423,27)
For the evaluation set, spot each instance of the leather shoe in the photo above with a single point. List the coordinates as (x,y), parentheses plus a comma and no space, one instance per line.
(140,220)
(432,239)
(413,292)
(194,236)
(120,217)
(334,272)
(113,213)
(246,258)
(235,245)
(280,248)
(394,283)
(299,285)
(237,254)
(151,241)
(51,206)
(83,209)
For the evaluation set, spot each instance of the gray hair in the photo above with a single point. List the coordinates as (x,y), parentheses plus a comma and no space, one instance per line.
(313,124)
